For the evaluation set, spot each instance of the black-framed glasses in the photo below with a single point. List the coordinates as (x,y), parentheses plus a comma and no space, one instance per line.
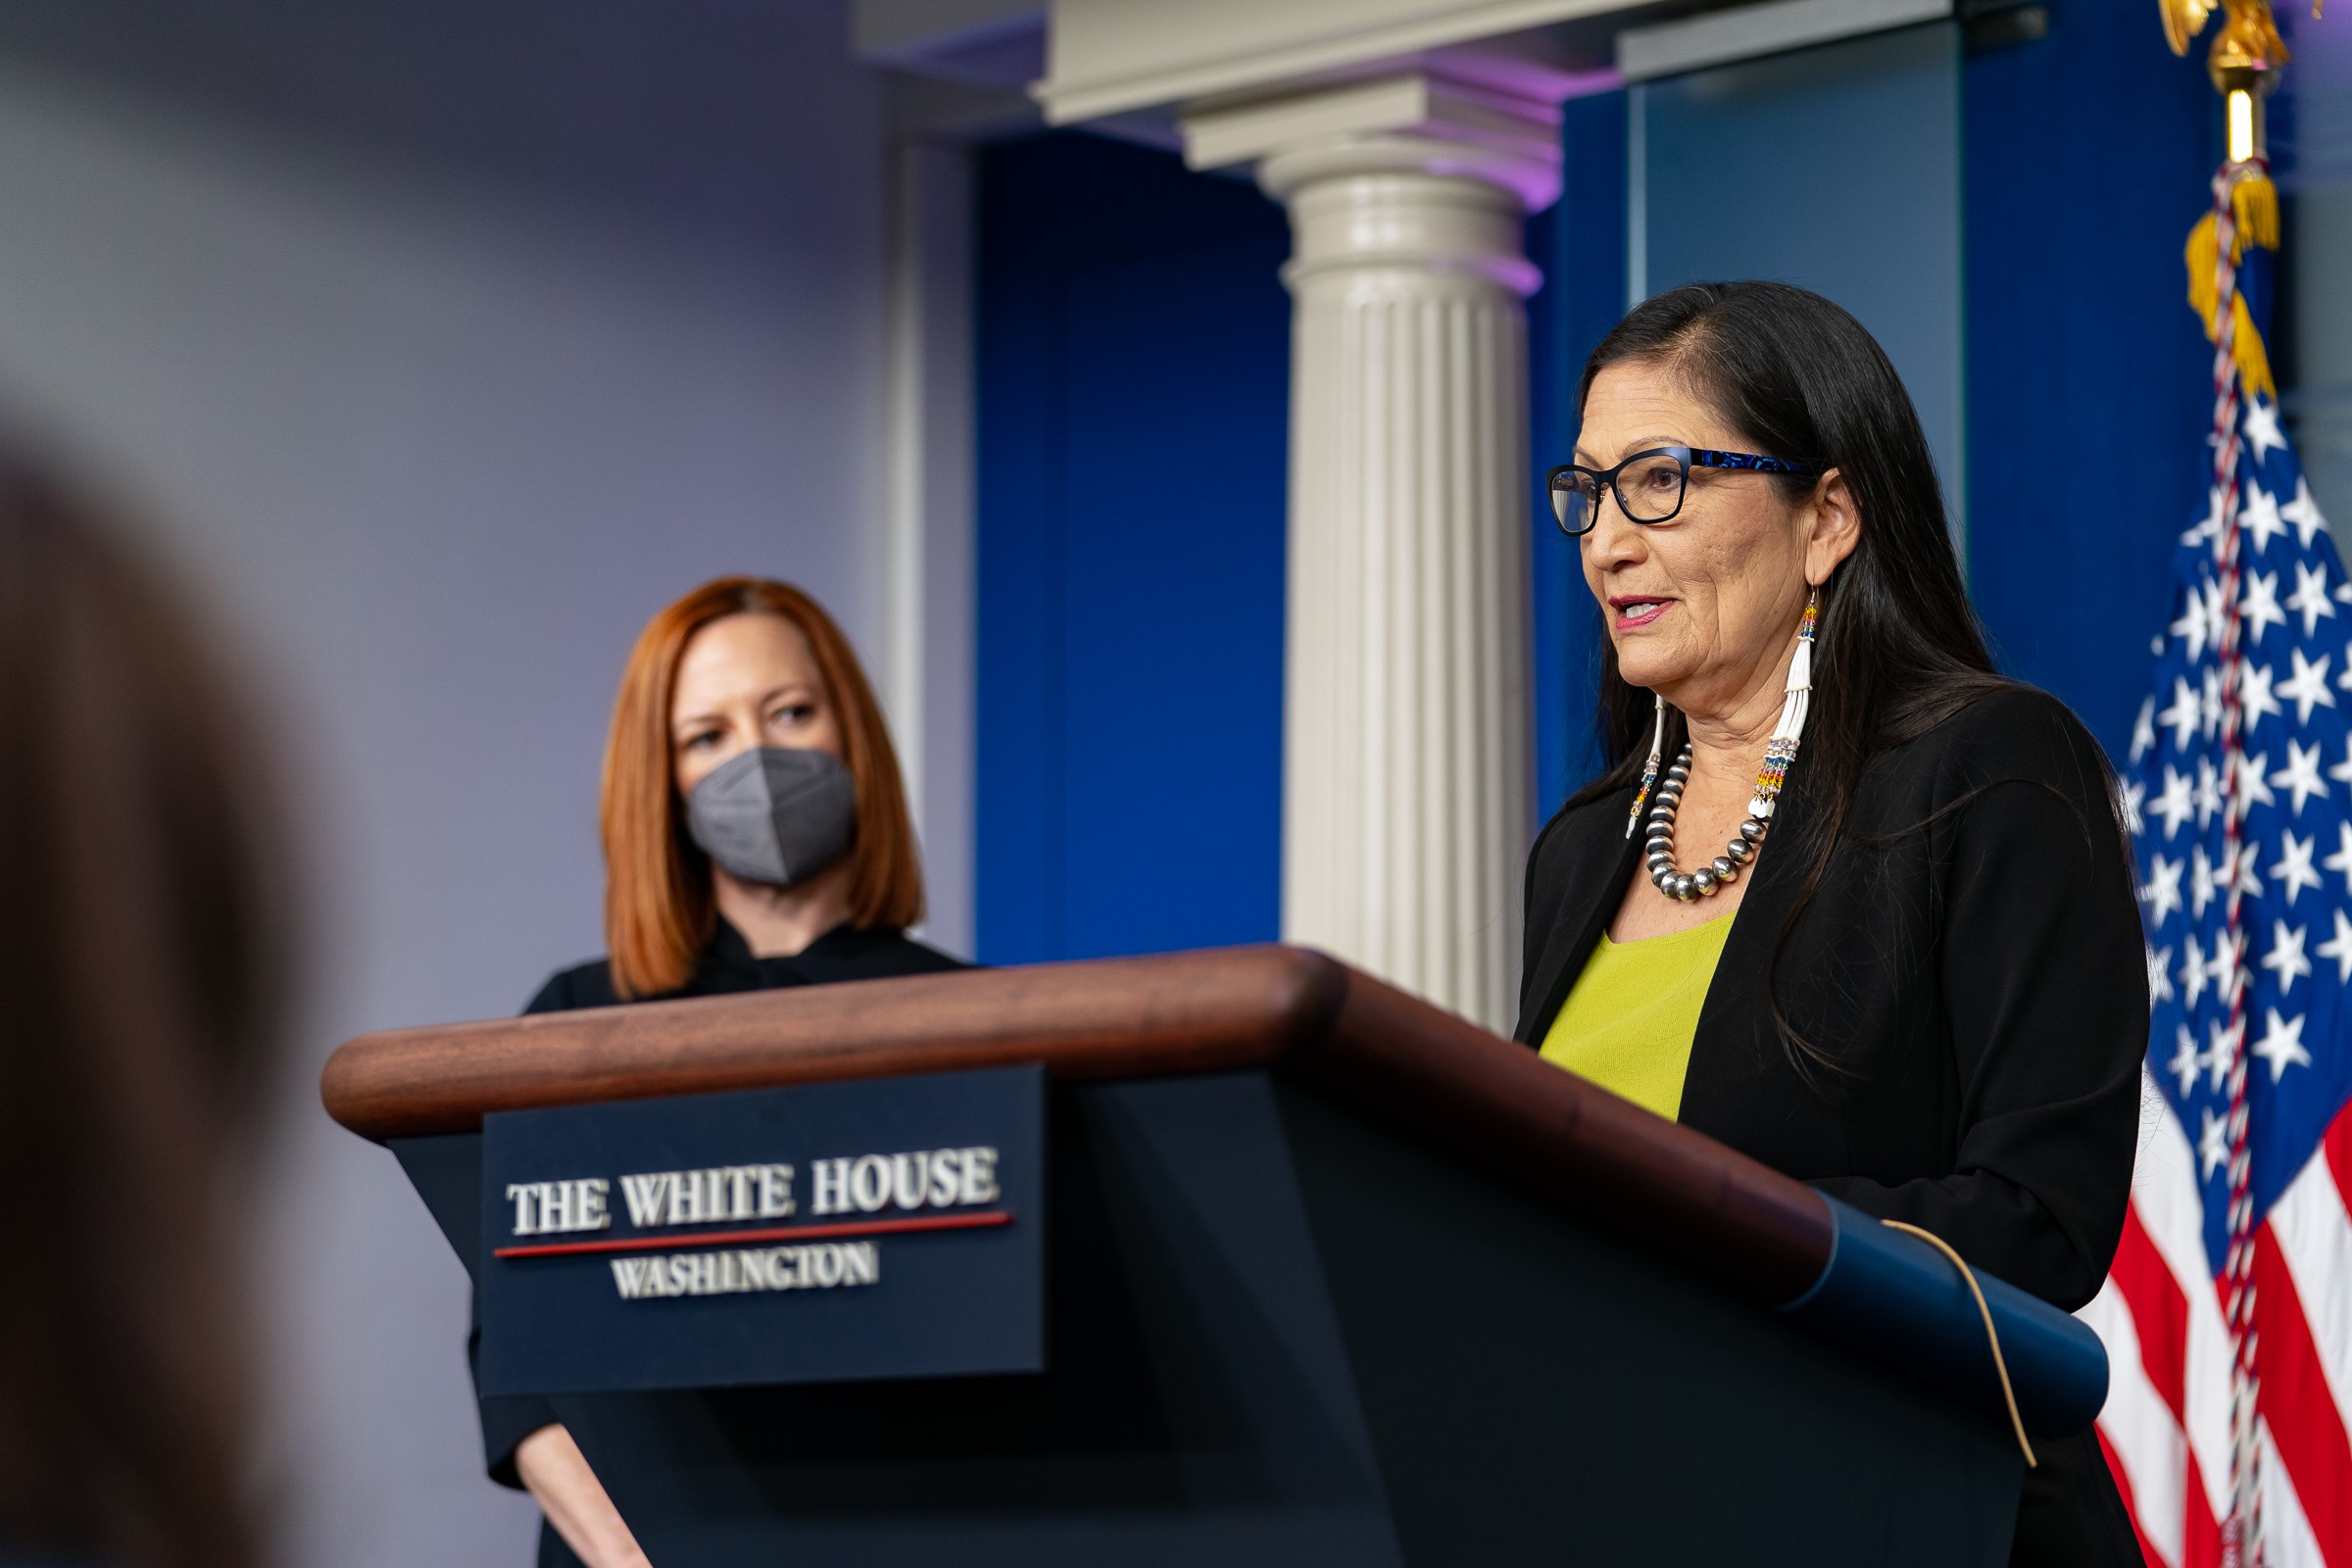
(1648,486)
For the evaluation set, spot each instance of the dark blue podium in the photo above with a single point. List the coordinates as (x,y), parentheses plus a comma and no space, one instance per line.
(1330,1276)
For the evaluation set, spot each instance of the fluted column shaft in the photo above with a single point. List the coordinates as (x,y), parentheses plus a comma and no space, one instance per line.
(1407,780)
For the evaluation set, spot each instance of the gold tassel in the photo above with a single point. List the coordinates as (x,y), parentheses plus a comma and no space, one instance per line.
(2204,260)
(2246,348)
(2254,206)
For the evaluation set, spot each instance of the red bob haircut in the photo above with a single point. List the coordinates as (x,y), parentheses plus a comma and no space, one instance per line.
(659,909)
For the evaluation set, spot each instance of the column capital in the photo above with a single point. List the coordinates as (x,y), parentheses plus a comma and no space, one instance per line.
(1414,121)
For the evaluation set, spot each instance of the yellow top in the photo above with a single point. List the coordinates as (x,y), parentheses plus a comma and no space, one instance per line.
(1629,1023)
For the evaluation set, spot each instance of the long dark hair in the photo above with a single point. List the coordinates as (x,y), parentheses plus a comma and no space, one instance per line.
(1898,650)
(140,949)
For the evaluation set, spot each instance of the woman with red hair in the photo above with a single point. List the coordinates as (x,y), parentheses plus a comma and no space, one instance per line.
(755,836)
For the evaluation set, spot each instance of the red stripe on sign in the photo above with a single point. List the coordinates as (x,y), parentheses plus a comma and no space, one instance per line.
(2159,1311)
(789,1232)
(2294,1400)
(2123,1485)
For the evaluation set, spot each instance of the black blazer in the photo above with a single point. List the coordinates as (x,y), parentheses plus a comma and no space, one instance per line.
(1973,959)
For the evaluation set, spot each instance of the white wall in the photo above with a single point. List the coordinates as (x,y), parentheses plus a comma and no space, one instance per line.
(450,341)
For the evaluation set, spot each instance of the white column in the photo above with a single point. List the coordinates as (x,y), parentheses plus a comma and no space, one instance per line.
(924,660)
(1407,779)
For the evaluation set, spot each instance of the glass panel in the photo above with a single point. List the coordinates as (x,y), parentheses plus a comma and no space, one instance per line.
(2311,148)
(1837,168)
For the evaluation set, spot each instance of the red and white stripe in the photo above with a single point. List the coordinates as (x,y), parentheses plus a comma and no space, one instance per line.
(2166,1426)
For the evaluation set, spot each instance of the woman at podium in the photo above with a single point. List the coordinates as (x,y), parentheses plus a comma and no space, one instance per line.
(755,836)
(1844,898)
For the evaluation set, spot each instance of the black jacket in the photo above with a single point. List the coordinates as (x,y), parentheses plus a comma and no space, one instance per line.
(1973,961)
(726,965)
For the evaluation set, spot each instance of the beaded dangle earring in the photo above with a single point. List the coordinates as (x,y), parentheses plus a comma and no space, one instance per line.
(1650,770)
(1779,752)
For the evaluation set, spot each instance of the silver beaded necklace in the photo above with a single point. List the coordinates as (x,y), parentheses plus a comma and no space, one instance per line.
(1779,752)
(1658,853)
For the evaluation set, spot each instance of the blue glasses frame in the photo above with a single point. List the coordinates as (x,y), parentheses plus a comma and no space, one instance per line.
(1566,493)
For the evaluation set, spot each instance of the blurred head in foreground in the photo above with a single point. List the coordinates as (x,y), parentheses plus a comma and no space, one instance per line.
(137,997)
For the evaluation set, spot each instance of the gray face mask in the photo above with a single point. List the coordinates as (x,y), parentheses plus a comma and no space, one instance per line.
(774,816)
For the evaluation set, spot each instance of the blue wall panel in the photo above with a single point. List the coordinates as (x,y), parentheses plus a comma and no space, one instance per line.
(1133,414)
(2088,381)
(1837,168)
(1578,243)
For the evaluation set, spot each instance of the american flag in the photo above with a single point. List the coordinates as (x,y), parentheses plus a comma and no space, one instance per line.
(2227,1315)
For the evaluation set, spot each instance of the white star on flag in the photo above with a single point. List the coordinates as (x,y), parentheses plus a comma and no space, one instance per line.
(2307,687)
(2192,968)
(2293,867)
(2212,1145)
(2309,600)
(2259,609)
(2253,783)
(2160,975)
(2301,775)
(2186,1061)
(2217,1061)
(2262,427)
(2208,526)
(2163,890)
(2173,805)
(2182,716)
(2341,860)
(2340,949)
(2227,968)
(2282,1045)
(2248,880)
(2304,514)
(2200,882)
(2191,627)
(2143,728)
(2254,699)
(2286,959)
(2260,516)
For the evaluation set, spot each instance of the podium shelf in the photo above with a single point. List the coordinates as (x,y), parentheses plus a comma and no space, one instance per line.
(1290,1010)
(1312,1022)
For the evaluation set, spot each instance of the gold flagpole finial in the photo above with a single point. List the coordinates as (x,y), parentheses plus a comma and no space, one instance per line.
(2247,57)
(2183,20)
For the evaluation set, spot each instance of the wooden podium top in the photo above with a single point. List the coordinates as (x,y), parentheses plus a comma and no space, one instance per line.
(1297,1012)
